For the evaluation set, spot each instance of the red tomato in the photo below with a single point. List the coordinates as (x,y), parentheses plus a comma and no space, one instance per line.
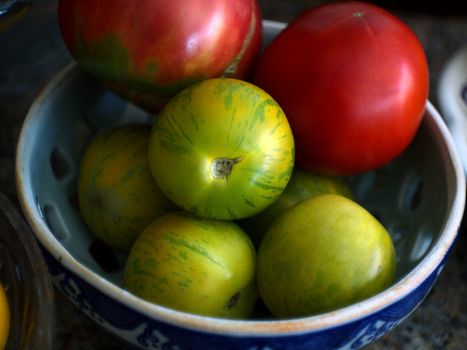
(148,50)
(353,82)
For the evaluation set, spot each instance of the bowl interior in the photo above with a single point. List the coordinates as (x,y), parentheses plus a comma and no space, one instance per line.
(412,196)
(452,96)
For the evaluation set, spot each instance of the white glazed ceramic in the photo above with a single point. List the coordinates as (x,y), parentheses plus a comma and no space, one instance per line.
(419,197)
(452,96)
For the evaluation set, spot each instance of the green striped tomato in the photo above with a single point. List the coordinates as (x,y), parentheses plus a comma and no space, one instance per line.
(302,185)
(222,149)
(195,265)
(117,194)
(324,253)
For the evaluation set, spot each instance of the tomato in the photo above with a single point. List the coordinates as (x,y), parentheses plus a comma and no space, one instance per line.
(4,318)
(117,194)
(222,149)
(302,185)
(324,253)
(353,82)
(195,265)
(148,50)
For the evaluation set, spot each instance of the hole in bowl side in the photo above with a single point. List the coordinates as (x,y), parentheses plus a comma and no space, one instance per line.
(60,165)
(411,192)
(422,243)
(409,197)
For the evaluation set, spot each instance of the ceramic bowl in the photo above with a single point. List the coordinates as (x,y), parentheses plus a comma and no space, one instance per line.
(25,280)
(419,197)
(452,97)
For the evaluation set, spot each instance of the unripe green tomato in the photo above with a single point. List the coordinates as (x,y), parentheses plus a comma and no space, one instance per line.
(117,194)
(222,149)
(324,253)
(302,185)
(201,266)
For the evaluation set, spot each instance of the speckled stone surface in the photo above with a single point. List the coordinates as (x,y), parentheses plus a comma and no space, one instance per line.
(31,52)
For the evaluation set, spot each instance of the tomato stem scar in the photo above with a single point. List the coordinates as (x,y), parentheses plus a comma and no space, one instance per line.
(222,167)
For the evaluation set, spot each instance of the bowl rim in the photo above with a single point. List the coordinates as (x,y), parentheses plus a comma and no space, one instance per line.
(226,327)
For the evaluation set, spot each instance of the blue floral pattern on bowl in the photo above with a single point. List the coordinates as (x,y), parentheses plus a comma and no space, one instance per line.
(150,334)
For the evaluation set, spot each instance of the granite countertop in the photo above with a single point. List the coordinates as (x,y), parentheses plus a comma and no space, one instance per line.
(32,52)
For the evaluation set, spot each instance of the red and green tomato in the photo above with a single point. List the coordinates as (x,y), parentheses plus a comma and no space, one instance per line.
(148,50)
(353,82)
(222,149)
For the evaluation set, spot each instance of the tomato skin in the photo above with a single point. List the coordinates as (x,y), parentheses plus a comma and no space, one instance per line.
(302,185)
(216,121)
(148,50)
(353,82)
(117,195)
(194,265)
(4,317)
(324,253)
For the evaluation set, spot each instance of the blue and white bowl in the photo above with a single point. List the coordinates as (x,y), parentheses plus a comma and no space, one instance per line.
(419,197)
(452,96)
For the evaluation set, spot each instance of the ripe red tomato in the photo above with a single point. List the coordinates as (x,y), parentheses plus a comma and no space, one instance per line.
(148,50)
(353,82)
